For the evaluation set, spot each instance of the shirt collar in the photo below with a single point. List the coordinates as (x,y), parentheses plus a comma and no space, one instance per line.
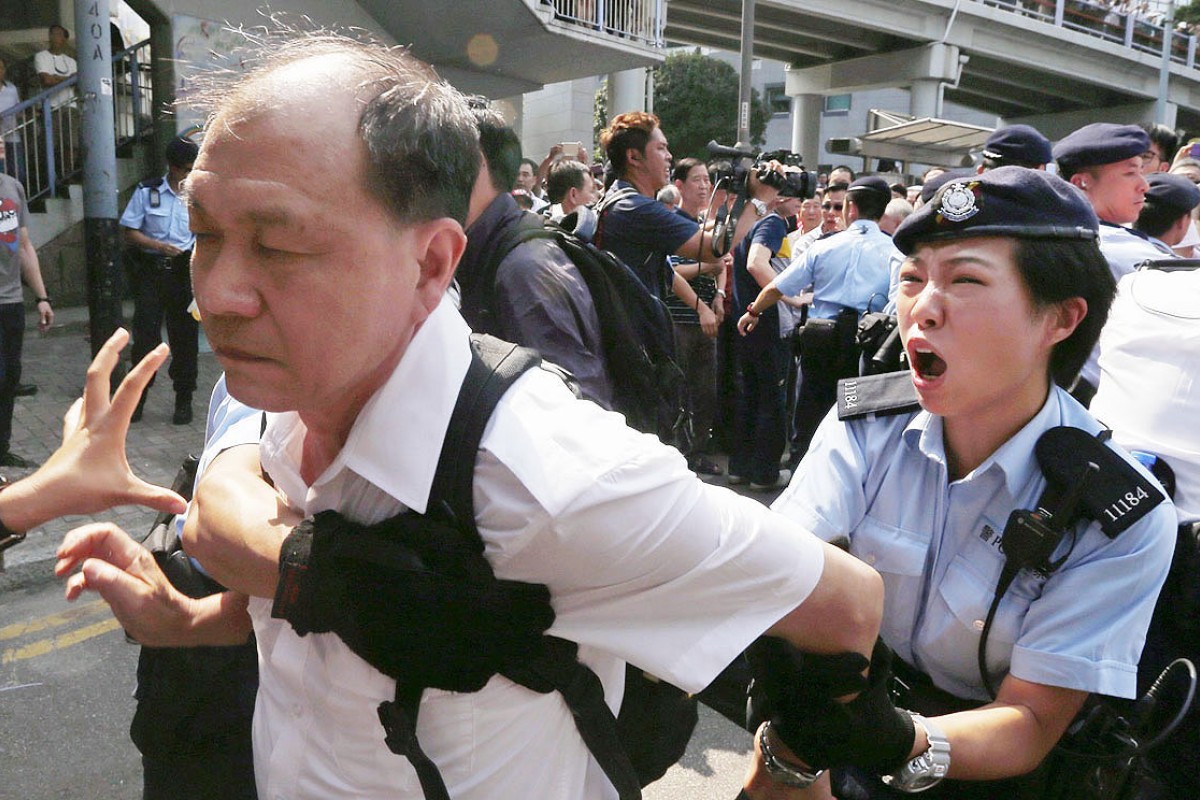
(389,444)
(863,226)
(1013,458)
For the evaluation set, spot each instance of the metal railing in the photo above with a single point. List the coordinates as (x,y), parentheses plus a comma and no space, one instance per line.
(639,20)
(1132,30)
(41,134)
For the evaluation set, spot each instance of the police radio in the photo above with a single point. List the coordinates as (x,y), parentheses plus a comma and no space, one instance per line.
(1085,479)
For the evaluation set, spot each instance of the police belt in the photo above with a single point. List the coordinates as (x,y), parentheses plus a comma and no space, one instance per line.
(178,263)
(913,689)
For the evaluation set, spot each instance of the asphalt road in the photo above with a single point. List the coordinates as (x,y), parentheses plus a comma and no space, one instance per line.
(66,680)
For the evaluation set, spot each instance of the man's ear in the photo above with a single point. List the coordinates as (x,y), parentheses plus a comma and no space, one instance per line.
(440,244)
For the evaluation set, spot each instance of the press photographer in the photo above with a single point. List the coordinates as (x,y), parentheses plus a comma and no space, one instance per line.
(848,273)
(760,423)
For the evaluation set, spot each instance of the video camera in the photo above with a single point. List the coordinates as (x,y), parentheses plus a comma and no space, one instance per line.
(741,162)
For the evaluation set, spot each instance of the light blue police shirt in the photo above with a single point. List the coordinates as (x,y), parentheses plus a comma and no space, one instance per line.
(847,269)
(168,222)
(884,483)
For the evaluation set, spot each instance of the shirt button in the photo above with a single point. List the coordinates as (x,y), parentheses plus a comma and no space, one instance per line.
(871,559)
(297,710)
(978,624)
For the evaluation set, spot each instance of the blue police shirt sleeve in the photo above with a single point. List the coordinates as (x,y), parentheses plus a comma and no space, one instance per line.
(826,495)
(135,211)
(798,275)
(230,423)
(1087,628)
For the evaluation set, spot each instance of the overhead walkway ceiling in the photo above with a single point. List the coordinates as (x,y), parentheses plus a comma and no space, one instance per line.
(502,48)
(1023,61)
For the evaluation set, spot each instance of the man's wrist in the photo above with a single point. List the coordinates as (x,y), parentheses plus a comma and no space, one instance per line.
(45,299)
(782,769)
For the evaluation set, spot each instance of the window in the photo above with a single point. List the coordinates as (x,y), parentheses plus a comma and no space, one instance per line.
(837,104)
(777,102)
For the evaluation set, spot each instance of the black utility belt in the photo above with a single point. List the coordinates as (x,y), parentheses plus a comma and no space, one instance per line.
(181,262)
(914,690)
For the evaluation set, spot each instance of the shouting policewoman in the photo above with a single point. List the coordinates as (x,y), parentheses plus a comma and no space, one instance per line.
(1021,552)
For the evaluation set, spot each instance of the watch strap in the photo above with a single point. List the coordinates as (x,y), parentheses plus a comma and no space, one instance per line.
(783,772)
(927,769)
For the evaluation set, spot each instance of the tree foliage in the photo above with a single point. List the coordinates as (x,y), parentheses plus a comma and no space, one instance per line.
(1189,13)
(696,99)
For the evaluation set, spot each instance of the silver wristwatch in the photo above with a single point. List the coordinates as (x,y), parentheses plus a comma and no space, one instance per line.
(783,772)
(928,768)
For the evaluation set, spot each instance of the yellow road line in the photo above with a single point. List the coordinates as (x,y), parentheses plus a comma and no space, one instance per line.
(62,641)
(72,614)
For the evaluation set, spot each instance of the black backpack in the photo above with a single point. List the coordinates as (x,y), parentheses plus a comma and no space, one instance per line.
(635,329)
(632,750)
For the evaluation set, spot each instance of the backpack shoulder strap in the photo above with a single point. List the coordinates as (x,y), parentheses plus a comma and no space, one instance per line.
(495,366)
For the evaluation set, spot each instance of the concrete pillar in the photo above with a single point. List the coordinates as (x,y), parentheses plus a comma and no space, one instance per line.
(626,91)
(806,128)
(924,102)
(1170,112)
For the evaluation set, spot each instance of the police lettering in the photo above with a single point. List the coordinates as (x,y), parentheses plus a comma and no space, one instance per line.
(1126,503)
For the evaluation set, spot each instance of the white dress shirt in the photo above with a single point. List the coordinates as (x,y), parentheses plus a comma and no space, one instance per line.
(644,562)
(1149,391)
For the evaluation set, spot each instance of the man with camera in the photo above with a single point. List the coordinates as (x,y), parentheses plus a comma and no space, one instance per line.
(848,274)
(641,231)
(760,429)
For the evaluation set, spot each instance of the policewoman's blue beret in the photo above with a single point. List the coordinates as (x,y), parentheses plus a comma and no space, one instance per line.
(1017,145)
(1172,191)
(1009,201)
(1100,143)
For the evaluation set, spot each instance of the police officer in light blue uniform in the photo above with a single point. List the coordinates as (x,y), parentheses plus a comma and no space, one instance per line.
(1104,161)
(848,273)
(155,226)
(1002,295)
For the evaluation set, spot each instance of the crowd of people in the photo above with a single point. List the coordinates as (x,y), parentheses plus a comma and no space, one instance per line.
(962,554)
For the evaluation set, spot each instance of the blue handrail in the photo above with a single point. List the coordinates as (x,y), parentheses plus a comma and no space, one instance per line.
(47,152)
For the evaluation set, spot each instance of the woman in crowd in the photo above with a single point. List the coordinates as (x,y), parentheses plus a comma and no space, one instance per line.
(1001,297)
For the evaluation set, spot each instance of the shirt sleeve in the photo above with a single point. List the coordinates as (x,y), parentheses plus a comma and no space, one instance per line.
(799,274)
(135,211)
(643,560)
(652,224)
(230,423)
(770,233)
(43,61)
(544,304)
(1079,637)
(826,495)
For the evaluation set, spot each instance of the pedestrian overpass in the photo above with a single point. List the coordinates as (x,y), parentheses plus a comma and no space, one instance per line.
(1054,64)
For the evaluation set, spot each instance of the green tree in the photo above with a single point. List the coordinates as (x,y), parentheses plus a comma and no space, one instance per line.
(696,99)
(1189,13)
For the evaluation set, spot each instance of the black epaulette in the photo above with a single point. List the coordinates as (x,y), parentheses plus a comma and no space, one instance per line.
(1116,495)
(882,395)
(151,183)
